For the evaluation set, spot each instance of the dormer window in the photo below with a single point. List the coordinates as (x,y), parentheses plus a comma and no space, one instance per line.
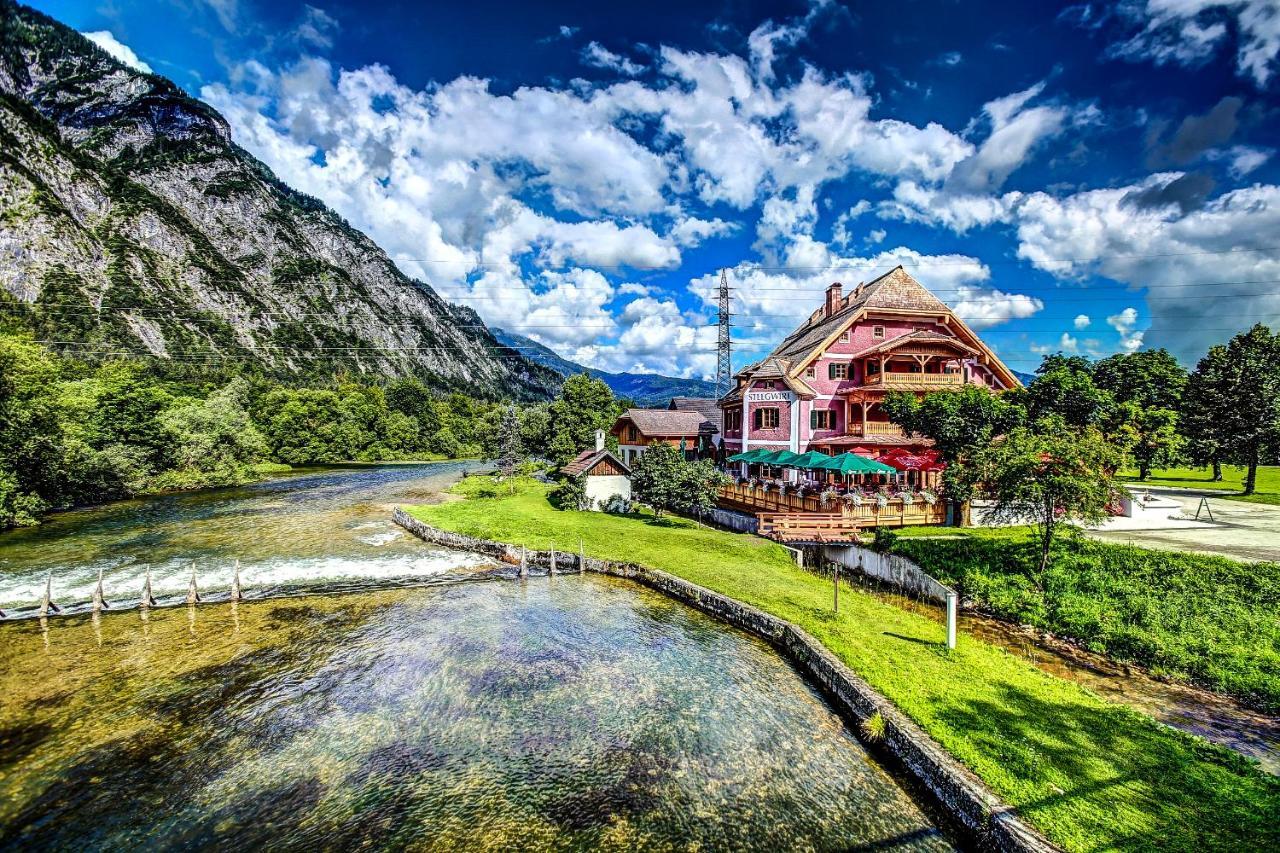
(810,372)
(877,331)
(844,336)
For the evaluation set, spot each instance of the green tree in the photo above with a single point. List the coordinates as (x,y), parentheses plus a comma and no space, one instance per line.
(128,412)
(585,405)
(215,435)
(1050,473)
(664,480)
(535,426)
(510,447)
(1149,435)
(1206,397)
(961,423)
(1063,388)
(1250,400)
(306,425)
(1152,379)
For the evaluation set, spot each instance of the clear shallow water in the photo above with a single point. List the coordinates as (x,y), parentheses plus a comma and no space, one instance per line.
(560,713)
(314,530)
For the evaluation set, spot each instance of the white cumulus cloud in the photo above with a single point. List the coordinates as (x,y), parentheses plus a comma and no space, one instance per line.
(118,50)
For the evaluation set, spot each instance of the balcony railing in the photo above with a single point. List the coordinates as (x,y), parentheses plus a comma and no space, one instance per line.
(891,379)
(897,513)
(876,428)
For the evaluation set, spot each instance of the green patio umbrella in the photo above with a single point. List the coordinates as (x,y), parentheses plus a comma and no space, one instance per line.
(749,456)
(779,457)
(852,463)
(812,459)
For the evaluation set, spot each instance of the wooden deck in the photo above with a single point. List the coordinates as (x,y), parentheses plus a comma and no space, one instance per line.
(808,528)
(791,517)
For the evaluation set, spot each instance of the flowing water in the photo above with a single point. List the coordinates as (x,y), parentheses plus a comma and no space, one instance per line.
(320,529)
(409,711)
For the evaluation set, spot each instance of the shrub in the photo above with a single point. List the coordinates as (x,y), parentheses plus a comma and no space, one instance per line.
(571,494)
(617,505)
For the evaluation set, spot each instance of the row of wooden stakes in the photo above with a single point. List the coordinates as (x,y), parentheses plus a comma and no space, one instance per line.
(551,569)
(99,602)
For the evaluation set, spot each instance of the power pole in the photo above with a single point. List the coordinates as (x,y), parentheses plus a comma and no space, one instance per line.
(724,367)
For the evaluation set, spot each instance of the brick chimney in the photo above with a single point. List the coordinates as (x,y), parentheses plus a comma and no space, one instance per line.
(833,298)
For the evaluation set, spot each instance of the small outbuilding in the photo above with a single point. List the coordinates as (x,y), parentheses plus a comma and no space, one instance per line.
(605,474)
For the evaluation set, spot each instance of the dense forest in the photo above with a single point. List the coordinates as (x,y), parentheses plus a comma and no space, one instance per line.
(74,432)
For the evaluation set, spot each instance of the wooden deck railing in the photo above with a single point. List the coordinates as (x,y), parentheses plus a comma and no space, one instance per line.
(756,499)
(892,379)
(877,428)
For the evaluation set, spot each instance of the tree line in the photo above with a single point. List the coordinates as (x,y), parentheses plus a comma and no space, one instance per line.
(74,433)
(1049,452)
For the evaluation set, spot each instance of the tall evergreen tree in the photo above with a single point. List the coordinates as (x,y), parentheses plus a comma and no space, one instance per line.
(510,447)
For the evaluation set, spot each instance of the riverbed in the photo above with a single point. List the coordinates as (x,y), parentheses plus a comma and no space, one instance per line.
(375,691)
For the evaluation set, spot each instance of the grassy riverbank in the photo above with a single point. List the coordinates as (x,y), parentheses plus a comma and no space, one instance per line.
(1209,619)
(1267,489)
(1089,774)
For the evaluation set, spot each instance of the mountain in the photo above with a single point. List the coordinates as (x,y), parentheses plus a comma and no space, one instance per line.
(647,389)
(131,224)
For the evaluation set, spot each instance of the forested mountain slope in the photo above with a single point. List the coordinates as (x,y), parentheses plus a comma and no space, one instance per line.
(131,223)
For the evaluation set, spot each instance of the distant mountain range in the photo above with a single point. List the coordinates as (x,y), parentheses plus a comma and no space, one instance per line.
(647,389)
(131,224)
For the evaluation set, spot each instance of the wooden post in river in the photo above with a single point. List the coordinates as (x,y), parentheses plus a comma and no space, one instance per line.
(193,596)
(46,603)
(235,583)
(148,600)
(552,570)
(582,558)
(524,562)
(99,601)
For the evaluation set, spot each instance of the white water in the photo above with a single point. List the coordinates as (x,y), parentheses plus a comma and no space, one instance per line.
(318,530)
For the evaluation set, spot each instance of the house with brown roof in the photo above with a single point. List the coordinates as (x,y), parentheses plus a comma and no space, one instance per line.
(638,429)
(603,473)
(822,387)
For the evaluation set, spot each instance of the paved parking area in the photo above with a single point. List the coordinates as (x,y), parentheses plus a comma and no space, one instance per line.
(1245,531)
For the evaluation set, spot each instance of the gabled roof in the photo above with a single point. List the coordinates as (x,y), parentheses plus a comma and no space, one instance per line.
(777,368)
(895,290)
(920,336)
(705,406)
(664,423)
(587,459)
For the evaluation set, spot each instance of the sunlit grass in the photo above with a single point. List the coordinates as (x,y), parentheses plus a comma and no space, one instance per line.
(1089,774)
(1267,489)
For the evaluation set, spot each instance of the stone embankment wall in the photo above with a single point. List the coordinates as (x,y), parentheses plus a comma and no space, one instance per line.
(964,797)
(891,568)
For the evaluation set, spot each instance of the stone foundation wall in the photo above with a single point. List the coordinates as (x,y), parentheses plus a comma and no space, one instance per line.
(962,795)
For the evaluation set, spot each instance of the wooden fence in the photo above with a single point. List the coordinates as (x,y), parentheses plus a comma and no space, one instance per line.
(897,513)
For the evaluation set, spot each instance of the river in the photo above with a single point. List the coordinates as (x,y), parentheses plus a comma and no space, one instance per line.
(367,695)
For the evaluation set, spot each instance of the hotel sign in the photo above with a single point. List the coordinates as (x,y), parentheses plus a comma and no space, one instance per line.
(769,396)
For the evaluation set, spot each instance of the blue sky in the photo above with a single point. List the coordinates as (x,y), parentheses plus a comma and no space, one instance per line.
(1082,178)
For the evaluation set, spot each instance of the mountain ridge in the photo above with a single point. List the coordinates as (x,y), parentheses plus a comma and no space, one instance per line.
(645,388)
(131,224)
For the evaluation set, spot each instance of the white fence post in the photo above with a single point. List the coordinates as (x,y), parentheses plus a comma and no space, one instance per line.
(952,607)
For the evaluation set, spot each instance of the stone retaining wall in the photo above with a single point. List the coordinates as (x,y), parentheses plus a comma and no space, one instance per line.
(962,795)
(890,568)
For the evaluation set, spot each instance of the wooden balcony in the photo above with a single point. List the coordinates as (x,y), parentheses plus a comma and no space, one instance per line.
(876,428)
(913,381)
(756,499)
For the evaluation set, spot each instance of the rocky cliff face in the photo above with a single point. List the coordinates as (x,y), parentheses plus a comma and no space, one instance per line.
(131,223)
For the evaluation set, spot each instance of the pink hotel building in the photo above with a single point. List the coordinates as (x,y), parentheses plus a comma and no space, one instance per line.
(821,388)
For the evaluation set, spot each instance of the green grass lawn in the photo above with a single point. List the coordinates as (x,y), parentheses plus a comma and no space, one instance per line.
(1190,616)
(1089,774)
(1267,490)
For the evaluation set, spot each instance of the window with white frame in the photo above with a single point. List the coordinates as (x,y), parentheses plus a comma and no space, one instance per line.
(877,331)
